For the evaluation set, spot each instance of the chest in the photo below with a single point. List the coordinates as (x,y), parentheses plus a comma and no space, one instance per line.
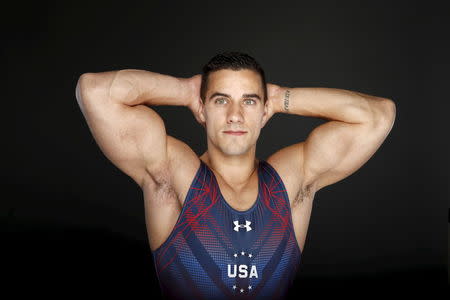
(240,198)
(241,201)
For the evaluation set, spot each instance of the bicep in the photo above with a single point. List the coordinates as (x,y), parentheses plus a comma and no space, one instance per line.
(335,150)
(133,138)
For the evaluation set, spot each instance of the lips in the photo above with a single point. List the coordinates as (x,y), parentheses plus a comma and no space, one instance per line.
(235,132)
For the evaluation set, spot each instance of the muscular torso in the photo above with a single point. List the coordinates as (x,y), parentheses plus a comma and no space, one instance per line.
(165,192)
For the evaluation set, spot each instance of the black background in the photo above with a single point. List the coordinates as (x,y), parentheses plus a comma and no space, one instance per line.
(74,224)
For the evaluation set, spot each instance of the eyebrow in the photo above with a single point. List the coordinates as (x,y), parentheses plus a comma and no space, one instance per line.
(243,95)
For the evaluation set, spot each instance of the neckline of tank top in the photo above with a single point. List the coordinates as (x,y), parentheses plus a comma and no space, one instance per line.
(234,210)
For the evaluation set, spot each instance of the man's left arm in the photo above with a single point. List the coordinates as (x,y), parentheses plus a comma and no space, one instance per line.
(357,126)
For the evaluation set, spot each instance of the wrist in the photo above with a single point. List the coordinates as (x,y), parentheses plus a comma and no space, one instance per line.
(185,91)
(283,96)
(190,89)
(286,99)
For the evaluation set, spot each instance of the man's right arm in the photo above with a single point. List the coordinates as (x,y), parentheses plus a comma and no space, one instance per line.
(116,107)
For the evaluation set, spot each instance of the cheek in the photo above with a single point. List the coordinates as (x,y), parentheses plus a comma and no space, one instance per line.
(214,117)
(257,122)
(213,123)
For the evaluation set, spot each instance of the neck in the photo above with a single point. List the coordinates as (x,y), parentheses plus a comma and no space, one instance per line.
(237,171)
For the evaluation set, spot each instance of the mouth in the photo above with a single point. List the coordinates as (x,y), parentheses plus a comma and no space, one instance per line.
(235,132)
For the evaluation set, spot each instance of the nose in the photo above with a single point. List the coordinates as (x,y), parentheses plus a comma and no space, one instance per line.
(235,114)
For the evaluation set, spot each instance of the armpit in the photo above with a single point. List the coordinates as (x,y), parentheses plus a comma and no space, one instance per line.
(304,194)
(160,186)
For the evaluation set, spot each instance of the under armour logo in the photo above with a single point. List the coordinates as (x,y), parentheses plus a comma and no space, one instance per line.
(246,226)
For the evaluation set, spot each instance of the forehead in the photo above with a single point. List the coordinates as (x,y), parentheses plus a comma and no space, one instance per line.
(231,80)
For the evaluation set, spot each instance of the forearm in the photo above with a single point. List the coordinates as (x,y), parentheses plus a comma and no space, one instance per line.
(328,103)
(134,87)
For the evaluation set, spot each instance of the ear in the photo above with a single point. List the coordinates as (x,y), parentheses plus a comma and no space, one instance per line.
(266,115)
(201,111)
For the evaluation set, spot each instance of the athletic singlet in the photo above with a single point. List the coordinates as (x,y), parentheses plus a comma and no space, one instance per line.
(217,252)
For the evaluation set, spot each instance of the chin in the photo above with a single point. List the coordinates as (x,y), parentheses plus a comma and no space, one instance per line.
(235,151)
(228,153)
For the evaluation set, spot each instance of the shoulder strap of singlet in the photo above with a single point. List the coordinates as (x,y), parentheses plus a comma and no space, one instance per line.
(201,185)
(274,191)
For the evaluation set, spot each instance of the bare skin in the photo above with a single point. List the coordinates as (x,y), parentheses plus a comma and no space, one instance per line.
(117,105)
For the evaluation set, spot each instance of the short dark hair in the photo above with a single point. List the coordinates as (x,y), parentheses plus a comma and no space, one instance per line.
(231,60)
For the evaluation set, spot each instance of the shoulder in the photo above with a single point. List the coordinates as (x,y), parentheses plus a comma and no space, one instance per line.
(288,163)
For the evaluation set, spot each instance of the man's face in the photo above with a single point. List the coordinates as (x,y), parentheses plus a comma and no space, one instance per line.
(234,102)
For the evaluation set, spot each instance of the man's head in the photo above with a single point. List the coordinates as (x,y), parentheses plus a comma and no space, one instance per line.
(234,95)
(233,61)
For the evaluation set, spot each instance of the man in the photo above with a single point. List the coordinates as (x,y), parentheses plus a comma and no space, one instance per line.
(209,236)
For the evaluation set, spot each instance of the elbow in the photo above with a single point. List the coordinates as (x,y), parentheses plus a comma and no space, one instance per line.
(111,86)
(92,86)
(384,115)
(84,80)
(390,110)
(88,82)
(85,84)
(80,89)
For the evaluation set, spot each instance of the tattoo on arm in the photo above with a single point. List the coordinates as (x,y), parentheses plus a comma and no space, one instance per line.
(286,100)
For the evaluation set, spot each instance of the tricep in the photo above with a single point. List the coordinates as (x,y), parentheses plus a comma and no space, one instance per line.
(133,138)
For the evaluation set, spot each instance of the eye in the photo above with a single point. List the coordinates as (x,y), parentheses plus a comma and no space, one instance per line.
(220,100)
(246,101)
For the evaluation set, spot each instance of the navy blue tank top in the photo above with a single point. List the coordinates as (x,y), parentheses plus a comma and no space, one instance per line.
(217,252)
